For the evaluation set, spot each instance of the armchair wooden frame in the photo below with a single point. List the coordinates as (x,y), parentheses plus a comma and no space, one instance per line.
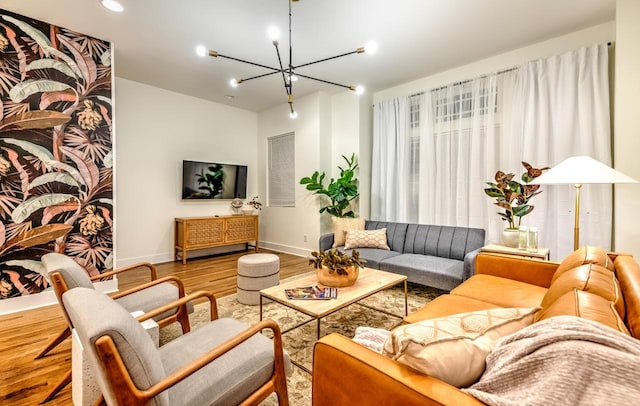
(127,393)
(60,287)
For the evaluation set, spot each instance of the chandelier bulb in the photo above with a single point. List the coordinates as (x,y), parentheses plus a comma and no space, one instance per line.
(293,114)
(371,47)
(274,34)
(359,90)
(234,82)
(201,51)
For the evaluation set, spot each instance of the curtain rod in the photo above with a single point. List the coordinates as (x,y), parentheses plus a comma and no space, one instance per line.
(469,80)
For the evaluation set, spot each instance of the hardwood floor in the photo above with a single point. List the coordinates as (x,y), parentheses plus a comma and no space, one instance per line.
(25,381)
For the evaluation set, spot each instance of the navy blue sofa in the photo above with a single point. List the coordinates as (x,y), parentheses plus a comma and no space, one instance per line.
(437,256)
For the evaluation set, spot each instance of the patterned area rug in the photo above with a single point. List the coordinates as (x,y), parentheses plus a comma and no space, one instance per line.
(299,342)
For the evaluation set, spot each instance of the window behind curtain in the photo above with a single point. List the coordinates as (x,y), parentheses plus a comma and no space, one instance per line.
(281,164)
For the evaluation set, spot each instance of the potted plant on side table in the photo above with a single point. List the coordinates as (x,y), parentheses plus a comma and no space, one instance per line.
(514,197)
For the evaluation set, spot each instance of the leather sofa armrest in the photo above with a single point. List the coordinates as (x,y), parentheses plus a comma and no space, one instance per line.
(469,264)
(326,242)
(346,373)
(530,270)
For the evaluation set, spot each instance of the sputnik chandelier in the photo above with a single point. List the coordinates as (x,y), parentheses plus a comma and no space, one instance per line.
(289,73)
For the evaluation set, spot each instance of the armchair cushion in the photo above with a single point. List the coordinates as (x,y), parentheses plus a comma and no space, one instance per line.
(229,379)
(73,274)
(152,298)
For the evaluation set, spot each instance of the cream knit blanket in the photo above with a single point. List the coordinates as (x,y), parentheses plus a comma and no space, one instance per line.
(563,360)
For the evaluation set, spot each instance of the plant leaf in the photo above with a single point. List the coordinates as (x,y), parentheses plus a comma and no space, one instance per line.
(49,98)
(37,35)
(105,58)
(84,61)
(36,150)
(33,266)
(88,169)
(32,86)
(24,174)
(3,233)
(53,164)
(35,119)
(22,57)
(54,177)
(28,207)
(52,64)
(37,236)
(52,211)
(49,50)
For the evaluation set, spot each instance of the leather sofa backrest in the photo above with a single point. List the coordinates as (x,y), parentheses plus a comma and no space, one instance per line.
(628,274)
(582,256)
(439,241)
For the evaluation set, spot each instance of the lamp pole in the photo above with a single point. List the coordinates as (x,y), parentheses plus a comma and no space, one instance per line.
(576,227)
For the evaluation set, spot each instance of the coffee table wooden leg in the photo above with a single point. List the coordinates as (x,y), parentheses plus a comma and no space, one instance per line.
(260,307)
(318,328)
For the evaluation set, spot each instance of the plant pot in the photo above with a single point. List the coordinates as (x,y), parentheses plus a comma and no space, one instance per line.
(332,279)
(510,237)
(248,211)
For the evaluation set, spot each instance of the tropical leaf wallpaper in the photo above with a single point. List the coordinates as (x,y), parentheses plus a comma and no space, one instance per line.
(56,180)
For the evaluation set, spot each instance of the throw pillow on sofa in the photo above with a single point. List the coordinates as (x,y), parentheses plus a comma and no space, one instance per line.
(366,239)
(454,348)
(343,224)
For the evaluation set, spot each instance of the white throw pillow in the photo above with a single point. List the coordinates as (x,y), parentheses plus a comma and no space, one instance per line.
(454,348)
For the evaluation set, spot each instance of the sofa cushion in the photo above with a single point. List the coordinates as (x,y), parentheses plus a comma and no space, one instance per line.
(396,233)
(366,239)
(441,241)
(343,224)
(454,348)
(373,256)
(501,291)
(586,305)
(446,305)
(441,273)
(591,278)
(585,255)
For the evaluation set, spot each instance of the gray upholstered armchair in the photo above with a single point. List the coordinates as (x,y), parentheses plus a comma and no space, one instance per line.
(221,363)
(65,273)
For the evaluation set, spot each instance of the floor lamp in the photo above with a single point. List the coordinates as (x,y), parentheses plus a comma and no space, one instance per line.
(580,170)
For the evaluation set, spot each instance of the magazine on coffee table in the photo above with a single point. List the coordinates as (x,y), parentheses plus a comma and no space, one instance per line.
(312,293)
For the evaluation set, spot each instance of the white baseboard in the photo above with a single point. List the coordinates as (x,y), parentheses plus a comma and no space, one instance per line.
(287,249)
(46,298)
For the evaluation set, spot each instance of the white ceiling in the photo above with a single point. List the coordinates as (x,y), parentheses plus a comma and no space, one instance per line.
(155,39)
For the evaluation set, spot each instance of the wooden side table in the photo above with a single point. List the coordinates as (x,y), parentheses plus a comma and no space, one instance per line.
(541,253)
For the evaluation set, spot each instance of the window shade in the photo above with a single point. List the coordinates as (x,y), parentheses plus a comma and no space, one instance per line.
(282,170)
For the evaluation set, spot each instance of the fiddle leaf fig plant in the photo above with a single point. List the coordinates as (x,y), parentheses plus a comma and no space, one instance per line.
(340,191)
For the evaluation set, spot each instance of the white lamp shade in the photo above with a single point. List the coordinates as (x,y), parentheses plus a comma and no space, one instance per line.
(581,170)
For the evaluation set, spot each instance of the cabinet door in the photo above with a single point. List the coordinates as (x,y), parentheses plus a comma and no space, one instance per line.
(242,229)
(204,232)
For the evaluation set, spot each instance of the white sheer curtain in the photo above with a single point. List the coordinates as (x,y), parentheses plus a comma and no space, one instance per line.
(452,140)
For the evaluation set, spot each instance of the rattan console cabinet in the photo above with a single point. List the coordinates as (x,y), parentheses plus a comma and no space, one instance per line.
(194,233)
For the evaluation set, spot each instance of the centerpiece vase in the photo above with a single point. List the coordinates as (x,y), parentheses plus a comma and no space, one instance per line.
(510,237)
(332,279)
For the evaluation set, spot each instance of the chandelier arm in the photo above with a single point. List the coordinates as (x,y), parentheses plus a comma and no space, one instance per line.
(326,59)
(284,79)
(259,76)
(248,62)
(324,81)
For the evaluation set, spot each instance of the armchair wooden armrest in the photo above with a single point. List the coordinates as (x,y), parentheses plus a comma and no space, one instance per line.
(152,270)
(213,306)
(120,378)
(154,282)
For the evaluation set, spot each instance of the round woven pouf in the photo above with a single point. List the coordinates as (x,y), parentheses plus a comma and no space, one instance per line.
(256,272)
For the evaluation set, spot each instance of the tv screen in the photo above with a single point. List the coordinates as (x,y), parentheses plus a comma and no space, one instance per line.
(209,180)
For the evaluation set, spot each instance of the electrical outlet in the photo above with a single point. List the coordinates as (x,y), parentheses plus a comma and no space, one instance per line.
(305,238)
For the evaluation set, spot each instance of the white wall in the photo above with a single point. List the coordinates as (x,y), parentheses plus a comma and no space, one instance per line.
(155,130)
(284,228)
(627,126)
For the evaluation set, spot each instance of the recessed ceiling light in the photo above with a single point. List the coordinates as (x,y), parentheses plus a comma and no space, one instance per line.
(229,97)
(112,5)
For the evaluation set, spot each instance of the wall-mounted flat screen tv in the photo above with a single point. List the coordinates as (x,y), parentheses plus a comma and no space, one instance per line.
(210,180)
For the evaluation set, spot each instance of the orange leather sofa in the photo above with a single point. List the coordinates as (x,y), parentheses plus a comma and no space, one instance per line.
(589,283)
